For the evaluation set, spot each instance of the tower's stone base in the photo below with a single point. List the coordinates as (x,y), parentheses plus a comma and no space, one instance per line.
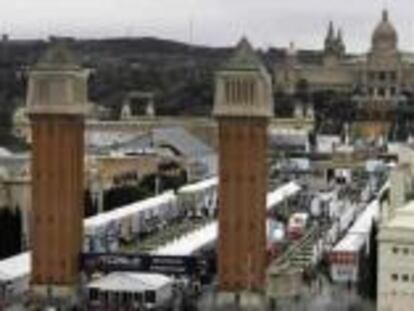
(243,301)
(54,295)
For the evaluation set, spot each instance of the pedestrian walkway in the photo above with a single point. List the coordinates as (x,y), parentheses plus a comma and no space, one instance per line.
(322,295)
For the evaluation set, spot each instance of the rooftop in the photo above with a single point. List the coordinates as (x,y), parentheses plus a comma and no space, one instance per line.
(244,58)
(130,282)
(404,217)
(15,267)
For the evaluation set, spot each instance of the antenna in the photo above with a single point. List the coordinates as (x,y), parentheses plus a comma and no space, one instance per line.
(191,41)
(191,30)
(385,6)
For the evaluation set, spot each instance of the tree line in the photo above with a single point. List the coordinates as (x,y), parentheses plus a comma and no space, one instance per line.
(10,232)
(125,194)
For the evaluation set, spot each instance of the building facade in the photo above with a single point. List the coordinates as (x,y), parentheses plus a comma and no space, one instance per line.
(396,239)
(56,99)
(396,264)
(377,84)
(243,105)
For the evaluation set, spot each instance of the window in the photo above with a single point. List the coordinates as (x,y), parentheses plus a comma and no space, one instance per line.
(395,250)
(382,75)
(238,91)
(228,90)
(93,294)
(252,91)
(394,277)
(124,297)
(371,91)
(115,296)
(405,278)
(105,296)
(381,92)
(150,296)
(393,76)
(138,297)
(405,251)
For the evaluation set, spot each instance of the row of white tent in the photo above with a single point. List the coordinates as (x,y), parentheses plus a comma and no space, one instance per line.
(15,271)
(102,232)
(207,235)
(135,208)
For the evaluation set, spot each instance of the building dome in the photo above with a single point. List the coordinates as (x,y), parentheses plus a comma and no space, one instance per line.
(385,36)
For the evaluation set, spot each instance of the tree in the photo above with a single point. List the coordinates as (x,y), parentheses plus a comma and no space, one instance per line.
(90,206)
(10,232)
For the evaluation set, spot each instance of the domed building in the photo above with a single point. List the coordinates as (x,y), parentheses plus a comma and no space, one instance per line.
(385,37)
(377,84)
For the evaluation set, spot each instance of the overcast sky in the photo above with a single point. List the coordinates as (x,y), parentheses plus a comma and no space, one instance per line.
(215,22)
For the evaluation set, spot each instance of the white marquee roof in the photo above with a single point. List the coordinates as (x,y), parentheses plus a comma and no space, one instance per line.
(199,186)
(359,232)
(130,282)
(191,242)
(131,209)
(277,196)
(15,267)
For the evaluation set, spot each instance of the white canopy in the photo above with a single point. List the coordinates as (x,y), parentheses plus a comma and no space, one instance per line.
(360,230)
(130,282)
(199,186)
(191,242)
(15,267)
(282,193)
(131,209)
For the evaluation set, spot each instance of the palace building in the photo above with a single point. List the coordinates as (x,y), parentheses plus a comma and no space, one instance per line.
(378,84)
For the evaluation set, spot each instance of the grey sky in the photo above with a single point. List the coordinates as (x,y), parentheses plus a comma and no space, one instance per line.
(215,22)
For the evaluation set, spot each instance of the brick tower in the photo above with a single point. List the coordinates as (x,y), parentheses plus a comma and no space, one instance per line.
(243,105)
(57,96)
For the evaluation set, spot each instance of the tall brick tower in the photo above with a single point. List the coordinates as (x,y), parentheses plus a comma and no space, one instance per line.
(243,105)
(57,94)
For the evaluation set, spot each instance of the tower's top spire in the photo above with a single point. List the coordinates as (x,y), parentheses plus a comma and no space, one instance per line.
(331,31)
(339,35)
(330,40)
(57,56)
(244,57)
(57,85)
(385,15)
(243,86)
(340,42)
